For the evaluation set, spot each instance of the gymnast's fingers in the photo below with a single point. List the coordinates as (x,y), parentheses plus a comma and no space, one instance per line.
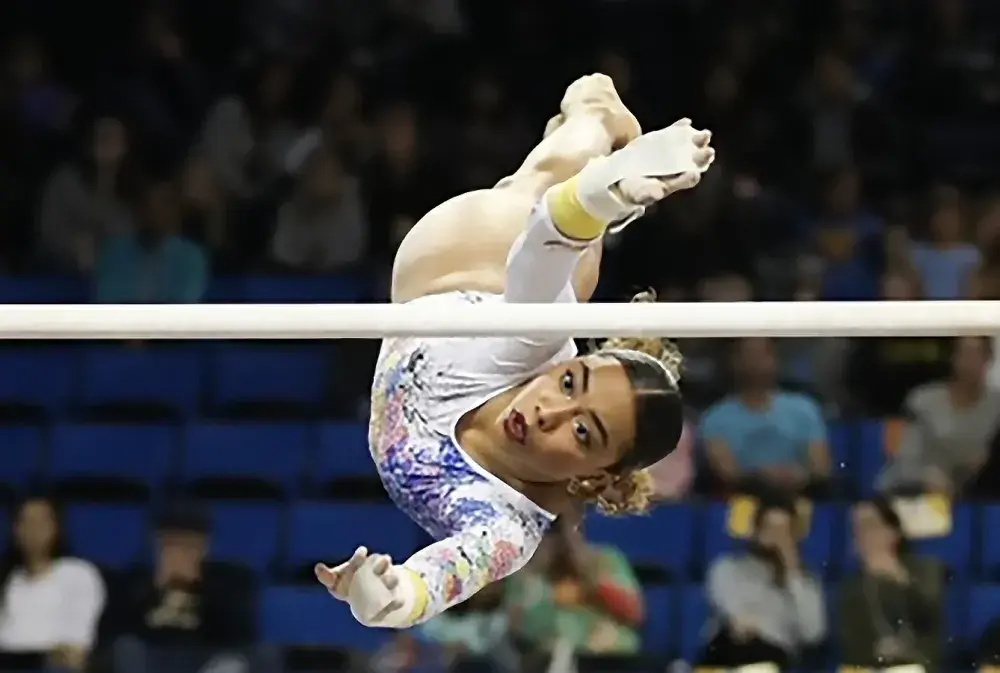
(382,563)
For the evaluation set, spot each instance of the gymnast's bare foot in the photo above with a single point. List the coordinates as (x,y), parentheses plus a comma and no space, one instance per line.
(596,94)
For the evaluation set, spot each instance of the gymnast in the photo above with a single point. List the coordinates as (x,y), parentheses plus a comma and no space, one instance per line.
(485,442)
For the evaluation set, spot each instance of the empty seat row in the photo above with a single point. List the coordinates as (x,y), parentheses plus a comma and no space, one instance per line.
(249,289)
(676,618)
(180,381)
(281,455)
(262,537)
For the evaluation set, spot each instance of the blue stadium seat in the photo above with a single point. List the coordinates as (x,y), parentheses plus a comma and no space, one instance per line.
(330,532)
(818,549)
(140,455)
(343,453)
(303,290)
(246,533)
(253,375)
(955,551)
(271,454)
(871,455)
(694,620)
(717,538)
(41,379)
(170,379)
(20,456)
(658,633)
(991,541)
(111,536)
(43,290)
(957,614)
(843,456)
(664,538)
(984,608)
(310,617)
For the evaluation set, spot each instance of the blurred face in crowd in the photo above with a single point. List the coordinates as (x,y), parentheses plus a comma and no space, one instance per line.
(834,78)
(274,86)
(843,194)
(946,224)
(722,87)
(399,130)
(36,529)
(872,535)
(756,363)
(324,178)
(181,554)
(897,287)
(109,142)
(969,359)
(159,210)
(343,98)
(775,528)
(485,95)
(27,62)
(199,185)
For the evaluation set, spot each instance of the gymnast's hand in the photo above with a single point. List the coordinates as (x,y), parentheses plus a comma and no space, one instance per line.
(367,582)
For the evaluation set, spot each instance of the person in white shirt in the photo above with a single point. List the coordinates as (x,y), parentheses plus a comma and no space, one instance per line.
(50,602)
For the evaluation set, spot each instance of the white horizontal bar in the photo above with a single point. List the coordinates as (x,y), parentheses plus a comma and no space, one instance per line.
(339,321)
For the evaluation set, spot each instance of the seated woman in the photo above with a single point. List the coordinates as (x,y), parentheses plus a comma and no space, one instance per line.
(484,442)
(51,602)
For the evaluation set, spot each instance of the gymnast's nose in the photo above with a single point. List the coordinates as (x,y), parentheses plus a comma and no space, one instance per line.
(550,414)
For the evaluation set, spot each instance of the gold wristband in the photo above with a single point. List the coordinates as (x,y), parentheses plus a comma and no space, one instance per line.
(569,216)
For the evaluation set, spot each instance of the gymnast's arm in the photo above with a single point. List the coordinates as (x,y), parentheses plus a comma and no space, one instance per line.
(451,570)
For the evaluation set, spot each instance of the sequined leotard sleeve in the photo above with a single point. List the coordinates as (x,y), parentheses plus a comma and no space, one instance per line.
(485,529)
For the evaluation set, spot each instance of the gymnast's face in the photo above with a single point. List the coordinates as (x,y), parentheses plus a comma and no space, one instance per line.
(575,420)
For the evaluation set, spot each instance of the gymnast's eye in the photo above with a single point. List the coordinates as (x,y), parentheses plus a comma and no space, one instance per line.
(582,433)
(566,382)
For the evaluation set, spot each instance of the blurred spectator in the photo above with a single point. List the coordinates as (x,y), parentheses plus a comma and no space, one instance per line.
(45,105)
(52,602)
(881,372)
(477,630)
(324,226)
(762,433)
(247,137)
(946,263)
(890,613)
(87,200)
(846,235)
(154,264)
(574,592)
(402,183)
(206,216)
(767,608)
(950,426)
(189,614)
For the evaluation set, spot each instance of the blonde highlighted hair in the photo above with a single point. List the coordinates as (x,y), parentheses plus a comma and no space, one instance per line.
(631,492)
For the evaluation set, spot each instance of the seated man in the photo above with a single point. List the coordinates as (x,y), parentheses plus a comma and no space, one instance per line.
(763,435)
(189,614)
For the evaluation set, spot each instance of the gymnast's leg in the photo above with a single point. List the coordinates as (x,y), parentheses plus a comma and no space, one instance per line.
(463,243)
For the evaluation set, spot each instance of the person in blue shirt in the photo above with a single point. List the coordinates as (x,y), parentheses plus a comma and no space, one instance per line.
(762,433)
(153,264)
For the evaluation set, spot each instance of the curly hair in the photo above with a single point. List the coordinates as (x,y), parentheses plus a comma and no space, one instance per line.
(616,495)
(664,350)
(630,492)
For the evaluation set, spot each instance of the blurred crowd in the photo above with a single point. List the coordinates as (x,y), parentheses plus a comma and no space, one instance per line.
(150,148)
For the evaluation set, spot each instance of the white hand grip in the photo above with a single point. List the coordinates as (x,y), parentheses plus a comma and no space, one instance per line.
(368,594)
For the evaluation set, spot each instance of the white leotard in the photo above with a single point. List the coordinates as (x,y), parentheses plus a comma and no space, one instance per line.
(485,529)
